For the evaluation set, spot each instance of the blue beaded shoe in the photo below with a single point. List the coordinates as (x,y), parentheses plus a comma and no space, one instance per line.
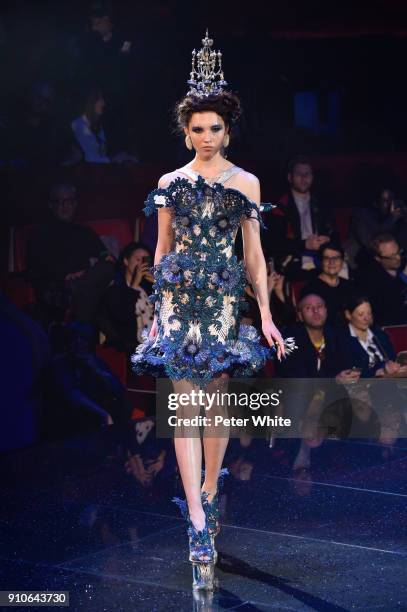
(201,551)
(212,510)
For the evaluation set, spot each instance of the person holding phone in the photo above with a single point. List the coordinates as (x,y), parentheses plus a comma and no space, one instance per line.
(367,347)
(126,312)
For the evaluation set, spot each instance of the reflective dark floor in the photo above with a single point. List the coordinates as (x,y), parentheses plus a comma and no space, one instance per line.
(87,516)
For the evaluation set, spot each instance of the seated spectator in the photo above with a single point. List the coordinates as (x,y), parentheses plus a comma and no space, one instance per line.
(88,130)
(125,311)
(90,134)
(366,346)
(86,393)
(385,215)
(299,225)
(328,284)
(384,279)
(318,354)
(68,264)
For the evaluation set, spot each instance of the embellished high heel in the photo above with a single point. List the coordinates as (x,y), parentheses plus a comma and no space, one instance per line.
(201,551)
(212,510)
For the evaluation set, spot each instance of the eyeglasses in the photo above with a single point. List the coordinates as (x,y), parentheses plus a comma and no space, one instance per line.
(333,259)
(392,256)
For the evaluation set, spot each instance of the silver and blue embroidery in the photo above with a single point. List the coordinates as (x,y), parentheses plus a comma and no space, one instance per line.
(199,287)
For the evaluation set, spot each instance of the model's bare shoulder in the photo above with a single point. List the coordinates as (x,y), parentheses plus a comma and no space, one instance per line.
(167,179)
(247,183)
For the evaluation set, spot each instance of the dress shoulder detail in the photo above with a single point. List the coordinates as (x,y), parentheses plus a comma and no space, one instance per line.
(164,196)
(181,191)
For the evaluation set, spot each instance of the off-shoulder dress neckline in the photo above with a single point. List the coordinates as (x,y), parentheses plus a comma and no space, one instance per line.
(220,179)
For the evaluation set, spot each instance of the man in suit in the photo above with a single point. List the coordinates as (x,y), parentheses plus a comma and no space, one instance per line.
(68,264)
(319,352)
(384,280)
(299,225)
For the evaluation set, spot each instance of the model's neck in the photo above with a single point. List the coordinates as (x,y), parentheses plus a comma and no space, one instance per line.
(209,167)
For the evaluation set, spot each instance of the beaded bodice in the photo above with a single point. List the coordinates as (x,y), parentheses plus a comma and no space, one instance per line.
(206,215)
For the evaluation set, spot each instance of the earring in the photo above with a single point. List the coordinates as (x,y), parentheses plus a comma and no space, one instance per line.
(188,143)
(226,141)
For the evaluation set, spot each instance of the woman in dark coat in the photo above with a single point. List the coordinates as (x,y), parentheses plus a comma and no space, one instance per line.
(365,345)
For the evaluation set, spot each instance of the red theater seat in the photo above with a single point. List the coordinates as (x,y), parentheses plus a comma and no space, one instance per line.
(398,336)
(121,229)
(116,361)
(297,286)
(342,220)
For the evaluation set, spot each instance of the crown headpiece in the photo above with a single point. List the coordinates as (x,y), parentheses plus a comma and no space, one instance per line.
(206,77)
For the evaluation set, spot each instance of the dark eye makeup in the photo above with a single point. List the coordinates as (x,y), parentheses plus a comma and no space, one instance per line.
(215,128)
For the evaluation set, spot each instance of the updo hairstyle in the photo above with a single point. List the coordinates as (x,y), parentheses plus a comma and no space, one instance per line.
(225,104)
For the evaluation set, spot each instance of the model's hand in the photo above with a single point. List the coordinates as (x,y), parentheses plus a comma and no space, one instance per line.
(273,336)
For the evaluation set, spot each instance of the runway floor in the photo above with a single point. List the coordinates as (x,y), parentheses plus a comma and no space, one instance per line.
(75,516)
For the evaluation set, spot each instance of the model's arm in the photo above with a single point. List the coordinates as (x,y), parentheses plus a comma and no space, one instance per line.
(165,232)
(256,265)
(165,239)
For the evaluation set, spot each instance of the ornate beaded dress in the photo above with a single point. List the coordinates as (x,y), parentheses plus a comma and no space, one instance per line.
(199,286)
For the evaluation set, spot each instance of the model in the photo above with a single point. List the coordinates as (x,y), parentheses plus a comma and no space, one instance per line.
(196,338)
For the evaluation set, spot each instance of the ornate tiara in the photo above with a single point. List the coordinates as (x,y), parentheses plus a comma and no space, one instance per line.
(206,77)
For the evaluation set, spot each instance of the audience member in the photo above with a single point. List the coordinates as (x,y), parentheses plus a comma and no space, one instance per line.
(334,290)
(88,129)
(90,135)
(384,279)
(109,60)
(68,264)
(366,346)
(107,51)
(318,354)
(125,311)
(385,215)
(299,225)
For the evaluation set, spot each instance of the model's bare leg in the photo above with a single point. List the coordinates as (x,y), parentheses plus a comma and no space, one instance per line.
(215,439)
(188,449)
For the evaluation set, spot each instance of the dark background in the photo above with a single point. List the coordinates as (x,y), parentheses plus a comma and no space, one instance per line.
(272,50)
(348,57)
